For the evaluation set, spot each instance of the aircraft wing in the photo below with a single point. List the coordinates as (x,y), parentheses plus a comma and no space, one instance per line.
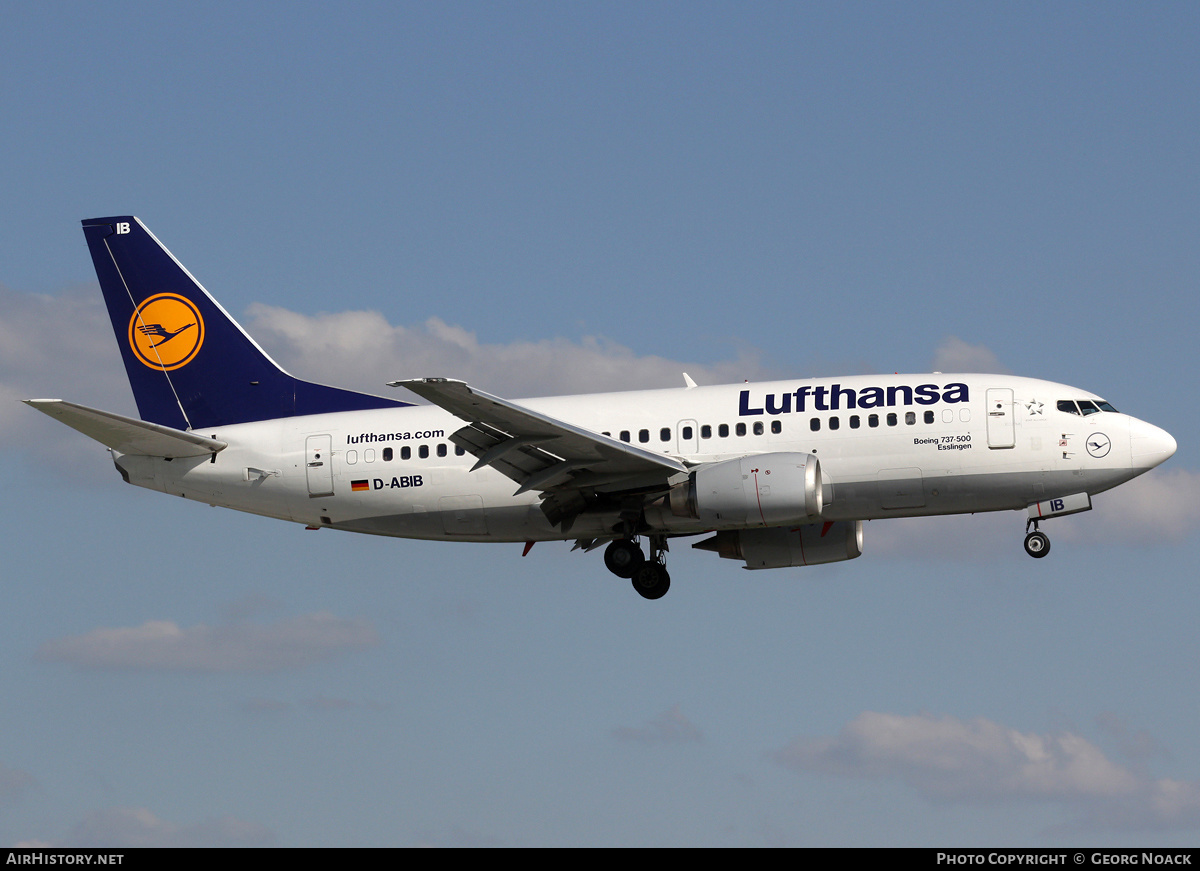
(539,452)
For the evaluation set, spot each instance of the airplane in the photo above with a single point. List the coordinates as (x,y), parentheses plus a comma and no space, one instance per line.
(776,474)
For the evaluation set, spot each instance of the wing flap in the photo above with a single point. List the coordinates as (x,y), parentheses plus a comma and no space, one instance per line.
(127,435)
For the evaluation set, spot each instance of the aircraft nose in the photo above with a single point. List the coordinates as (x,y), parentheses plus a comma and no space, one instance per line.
(1149,445)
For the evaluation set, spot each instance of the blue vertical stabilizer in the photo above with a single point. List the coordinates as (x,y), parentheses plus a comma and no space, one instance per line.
(190,364)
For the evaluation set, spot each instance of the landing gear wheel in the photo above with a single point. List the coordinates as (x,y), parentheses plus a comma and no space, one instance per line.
(1037,544)
(651,580)
(623,557)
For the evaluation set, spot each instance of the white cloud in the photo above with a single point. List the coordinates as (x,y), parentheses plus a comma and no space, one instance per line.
(163,645)
(979,761)
(669,727)
(1162,505)
(52,343)
(360,349)
(58,347)
(955,355)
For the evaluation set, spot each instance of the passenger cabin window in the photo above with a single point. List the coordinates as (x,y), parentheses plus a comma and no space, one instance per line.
(664,434)
(854,421)
(686,432)
(891,419)
(834,422)
(441,449)
(740,429)
(624,435)
(758,427)
(643,435)
(910,417)
(777,426)
(706,431)
(405,453)
(723,430)
(423,452)
(873,420)
(387,455)
(814,424)
(929,417)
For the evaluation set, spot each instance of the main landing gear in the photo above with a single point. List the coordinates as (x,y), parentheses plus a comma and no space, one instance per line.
(1037,543)
(625,559)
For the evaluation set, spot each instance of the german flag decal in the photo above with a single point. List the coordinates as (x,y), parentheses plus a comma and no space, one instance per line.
(364,484)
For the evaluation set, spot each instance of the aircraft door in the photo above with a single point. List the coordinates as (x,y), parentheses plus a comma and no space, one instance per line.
(318,461)
(688,437)
(1000,418)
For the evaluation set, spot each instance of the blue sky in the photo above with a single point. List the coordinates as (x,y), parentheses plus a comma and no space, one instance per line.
(547,198)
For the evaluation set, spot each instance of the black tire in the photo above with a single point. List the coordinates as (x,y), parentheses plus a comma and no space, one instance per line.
(1037,544)
(623,557)
(651,581)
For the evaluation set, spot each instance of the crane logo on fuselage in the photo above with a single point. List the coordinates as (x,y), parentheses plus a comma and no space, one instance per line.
(166,331)
(1098,445)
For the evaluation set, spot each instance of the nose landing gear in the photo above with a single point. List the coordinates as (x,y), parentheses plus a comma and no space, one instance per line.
(1037,543)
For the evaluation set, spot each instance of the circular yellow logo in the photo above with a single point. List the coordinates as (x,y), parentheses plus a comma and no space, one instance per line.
(166,331)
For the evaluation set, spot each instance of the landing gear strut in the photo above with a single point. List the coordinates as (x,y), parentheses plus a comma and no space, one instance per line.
(651,579)
(1037,544)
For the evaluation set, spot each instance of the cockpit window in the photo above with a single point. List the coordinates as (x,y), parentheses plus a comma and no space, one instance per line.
(1085,406)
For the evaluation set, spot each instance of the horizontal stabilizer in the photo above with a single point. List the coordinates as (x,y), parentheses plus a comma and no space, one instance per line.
(127,435)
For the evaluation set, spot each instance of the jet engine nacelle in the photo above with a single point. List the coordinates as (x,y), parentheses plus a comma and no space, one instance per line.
(780,546)
(760,490)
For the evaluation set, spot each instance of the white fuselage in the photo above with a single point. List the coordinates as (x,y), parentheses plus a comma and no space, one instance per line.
(888,446)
